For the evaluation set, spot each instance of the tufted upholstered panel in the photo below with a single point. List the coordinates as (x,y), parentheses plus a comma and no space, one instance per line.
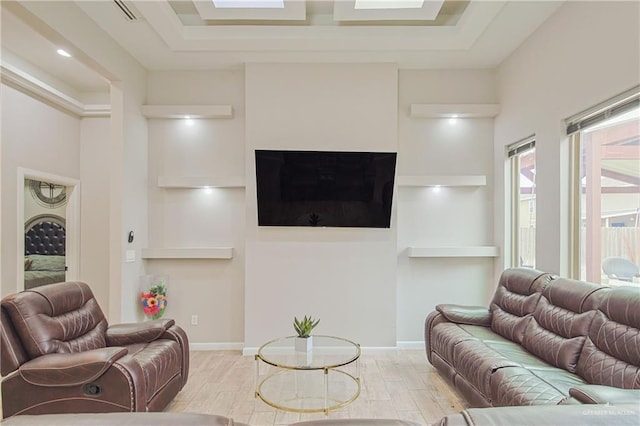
(52,320)
(611,353)
(516,297)
(45,237)
(560,322)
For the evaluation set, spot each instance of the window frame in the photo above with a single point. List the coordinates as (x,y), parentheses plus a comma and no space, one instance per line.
(514,153)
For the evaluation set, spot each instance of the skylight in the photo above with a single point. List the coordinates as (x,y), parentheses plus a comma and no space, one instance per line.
(249,4)
(388,4)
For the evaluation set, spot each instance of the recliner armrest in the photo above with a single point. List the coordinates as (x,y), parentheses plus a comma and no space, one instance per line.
(473,315)
(70,369)
(598,394)
(140,332)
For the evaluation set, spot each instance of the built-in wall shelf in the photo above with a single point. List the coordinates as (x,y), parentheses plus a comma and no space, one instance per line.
(187,111)
(469,251)
(454,110)
(463,180)
(188,253)
(199,182)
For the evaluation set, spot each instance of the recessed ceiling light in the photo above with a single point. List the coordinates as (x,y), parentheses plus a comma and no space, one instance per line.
(388,4)
(249,4)
(64,53)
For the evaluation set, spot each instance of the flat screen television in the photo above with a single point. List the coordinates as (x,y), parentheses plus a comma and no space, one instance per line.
(325,188)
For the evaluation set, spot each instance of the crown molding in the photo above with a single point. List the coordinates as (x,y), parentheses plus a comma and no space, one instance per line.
(38,89)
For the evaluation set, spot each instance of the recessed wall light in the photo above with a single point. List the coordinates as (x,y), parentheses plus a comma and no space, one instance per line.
(64,53)
(436,188)
(188,121)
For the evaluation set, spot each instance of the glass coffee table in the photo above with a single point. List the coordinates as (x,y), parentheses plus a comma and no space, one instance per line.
(325,378)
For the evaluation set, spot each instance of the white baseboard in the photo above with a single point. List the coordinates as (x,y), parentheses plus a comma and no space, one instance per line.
(415,344)
(250,351)
(230,346)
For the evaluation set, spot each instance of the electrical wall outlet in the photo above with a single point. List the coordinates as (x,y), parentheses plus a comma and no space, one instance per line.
(194,320)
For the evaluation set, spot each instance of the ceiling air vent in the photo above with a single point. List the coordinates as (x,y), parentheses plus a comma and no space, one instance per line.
(127,10)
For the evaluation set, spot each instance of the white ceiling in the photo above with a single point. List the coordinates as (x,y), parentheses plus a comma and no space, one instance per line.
(194,35)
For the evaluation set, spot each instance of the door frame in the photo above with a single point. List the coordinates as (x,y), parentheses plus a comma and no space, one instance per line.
(72,222)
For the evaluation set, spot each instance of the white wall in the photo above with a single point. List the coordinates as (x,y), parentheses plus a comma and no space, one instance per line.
(450,216)
(51,145)
(126,156)
(183,218)
(345,277)
(94,212)
(584,54)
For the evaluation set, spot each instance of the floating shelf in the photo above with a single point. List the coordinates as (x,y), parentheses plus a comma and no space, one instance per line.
(454,110)
(188,253)
(464,180)
(199,182)
(184,111)
(479,251)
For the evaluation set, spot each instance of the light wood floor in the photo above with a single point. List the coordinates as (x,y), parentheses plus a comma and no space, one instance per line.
(398,384)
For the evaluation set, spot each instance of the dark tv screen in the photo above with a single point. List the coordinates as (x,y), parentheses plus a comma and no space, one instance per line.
(325,188)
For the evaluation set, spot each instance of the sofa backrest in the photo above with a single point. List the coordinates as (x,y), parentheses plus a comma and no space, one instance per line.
(560,323)
(55,318)
(611,353)
(515,299)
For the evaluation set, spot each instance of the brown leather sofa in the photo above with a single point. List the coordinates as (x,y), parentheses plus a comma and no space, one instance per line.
(121,419)
(548,415)
(59,355)
(543,340)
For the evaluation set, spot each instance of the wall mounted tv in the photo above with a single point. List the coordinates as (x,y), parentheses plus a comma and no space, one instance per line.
(325,188)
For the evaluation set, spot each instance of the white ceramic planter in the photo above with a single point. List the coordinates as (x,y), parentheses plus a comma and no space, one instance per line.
(304,344)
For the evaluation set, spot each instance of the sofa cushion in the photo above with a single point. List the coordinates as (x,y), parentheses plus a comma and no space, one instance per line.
(515,299)
(57,318)
(476,361)
(520,386)
(611,353)
(560,323)
(517,354)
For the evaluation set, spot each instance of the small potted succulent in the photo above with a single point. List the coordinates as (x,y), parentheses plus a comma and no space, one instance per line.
(304,340)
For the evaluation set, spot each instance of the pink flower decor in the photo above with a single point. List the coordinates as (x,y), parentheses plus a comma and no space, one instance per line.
(154,302)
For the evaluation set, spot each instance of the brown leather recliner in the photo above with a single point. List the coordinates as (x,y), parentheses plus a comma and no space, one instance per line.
(59,355)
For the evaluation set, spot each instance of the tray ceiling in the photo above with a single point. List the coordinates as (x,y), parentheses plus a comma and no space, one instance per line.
(197,35)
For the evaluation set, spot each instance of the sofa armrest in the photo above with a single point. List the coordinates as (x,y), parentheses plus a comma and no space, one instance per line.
(70,369)
(140,332)
(598,394)
(473,315)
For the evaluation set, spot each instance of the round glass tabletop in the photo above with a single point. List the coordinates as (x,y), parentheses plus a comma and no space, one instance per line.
(326,352)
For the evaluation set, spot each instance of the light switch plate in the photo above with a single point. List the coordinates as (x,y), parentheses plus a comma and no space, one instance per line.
(130,256)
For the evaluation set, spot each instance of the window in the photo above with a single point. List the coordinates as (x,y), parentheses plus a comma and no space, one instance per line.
(522,158)
(606,185)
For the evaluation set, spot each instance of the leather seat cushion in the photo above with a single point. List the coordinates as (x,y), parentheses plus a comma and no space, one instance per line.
(520,386)
(484,333)
(476,362)
(160,361)
(559,378)
(517,354)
